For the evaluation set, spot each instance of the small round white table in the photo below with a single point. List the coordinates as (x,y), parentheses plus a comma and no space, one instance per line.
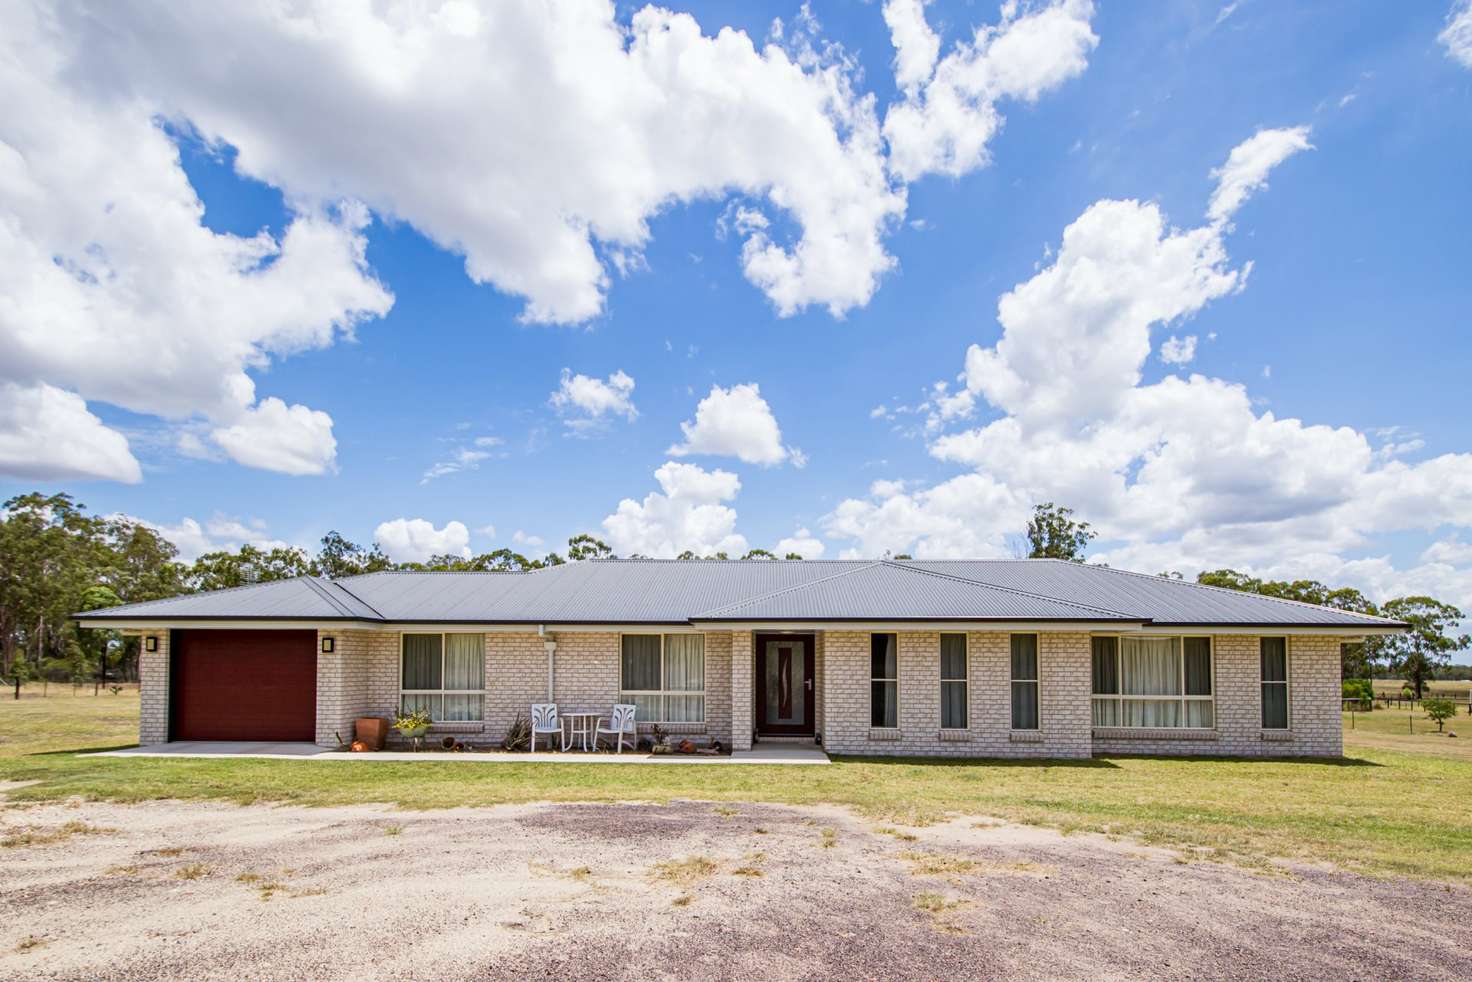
(578,726)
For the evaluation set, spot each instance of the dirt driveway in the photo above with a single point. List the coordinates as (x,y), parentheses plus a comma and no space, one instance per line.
(170,890)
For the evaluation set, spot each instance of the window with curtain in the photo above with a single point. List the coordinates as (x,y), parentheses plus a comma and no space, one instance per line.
(1024,681)
(1153,682)
(953,714)
(443,674)
(663,676)
(1274,657)
(884,681)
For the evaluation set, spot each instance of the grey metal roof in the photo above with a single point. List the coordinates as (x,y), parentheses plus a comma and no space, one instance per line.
(302,598)
(897,591)
(652,591)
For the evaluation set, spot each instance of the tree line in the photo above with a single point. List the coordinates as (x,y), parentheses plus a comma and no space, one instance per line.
(55,560)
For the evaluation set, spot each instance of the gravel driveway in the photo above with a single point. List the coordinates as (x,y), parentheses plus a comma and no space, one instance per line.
(691,889)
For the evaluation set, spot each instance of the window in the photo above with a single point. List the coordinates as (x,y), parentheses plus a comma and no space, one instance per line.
(953,682)
(884,681)
(1153,682)
(443,674)
(1274,654)
(663,676)
(1024,681)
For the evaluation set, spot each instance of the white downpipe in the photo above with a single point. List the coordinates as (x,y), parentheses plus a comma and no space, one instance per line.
(551,647)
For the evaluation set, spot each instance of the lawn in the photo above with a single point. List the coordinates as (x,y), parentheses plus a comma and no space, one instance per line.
(1381,810)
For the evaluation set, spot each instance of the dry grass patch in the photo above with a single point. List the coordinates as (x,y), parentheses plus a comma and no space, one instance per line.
(30,943)
(828,838)
(35,835)
(120,871)
(169,852)
(393,830)
(193,871)
(726,811)
(683,900)
(691,869)
(898,834)
(937,864)
(940,907)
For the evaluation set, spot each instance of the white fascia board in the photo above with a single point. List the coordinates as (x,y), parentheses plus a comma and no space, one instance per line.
(135,627)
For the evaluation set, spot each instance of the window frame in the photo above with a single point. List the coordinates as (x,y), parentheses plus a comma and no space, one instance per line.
(1036,682)
(1286,683)
(442,691)
(1118,698)
(664,693)
(895,681)
(964,681)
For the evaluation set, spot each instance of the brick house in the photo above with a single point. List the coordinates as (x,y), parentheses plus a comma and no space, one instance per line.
(987,658)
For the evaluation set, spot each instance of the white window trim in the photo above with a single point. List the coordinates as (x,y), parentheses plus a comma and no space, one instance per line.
(1182,698)
(964,681)
(1287,685)
(663,675)
(896,680)
(442,692)
(1036,682)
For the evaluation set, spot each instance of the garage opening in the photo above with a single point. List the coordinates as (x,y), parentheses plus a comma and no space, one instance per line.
(243,685)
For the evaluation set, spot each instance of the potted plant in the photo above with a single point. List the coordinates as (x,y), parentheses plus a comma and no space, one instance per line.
(657,740)
(412,726)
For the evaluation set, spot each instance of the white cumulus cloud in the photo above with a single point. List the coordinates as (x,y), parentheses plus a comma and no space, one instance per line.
(415,540)
(1182,474)
(802,542)
(545,136)
(585,401)
(277,437)
(686,514)
(736,422)
(114,289)
(949,113)
(1178,351)
(48,434)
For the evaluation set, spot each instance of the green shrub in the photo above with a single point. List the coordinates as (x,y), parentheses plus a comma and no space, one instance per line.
(1360,689)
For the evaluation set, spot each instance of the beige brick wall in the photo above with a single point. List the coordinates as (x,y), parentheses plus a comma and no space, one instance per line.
(1313,693)
(1063,666)
(153,689)
(359,677)
(742,703)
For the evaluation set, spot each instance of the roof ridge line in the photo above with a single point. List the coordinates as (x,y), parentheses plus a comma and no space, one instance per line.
(321,591)
(376,612)
(1239,593)
(1014,590)
(787,589)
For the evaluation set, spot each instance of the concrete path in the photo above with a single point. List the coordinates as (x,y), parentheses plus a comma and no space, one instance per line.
(777,753)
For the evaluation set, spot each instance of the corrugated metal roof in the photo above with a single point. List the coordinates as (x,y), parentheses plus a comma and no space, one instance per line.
(651,591)
(896,591)
(302,598)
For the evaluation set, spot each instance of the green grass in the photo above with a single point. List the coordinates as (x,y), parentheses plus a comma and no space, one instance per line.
(1380,811)
(1408,730)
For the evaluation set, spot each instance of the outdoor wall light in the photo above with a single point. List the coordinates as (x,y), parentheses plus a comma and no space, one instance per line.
(150,643)
(327,644)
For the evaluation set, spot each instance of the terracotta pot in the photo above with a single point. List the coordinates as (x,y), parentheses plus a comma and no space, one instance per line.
(372,731)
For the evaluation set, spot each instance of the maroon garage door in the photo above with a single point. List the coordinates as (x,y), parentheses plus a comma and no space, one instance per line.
(243,685)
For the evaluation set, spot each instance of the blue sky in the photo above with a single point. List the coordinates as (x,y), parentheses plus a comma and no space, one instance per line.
(1338,287)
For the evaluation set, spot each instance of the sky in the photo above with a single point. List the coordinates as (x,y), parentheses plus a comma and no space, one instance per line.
(841,279)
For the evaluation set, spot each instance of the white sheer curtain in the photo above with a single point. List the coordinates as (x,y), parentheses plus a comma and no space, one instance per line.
(684,671)
(1150,667)
(464,673)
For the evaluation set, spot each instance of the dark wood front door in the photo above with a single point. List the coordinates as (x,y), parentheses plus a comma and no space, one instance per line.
(784,684)
(243,685)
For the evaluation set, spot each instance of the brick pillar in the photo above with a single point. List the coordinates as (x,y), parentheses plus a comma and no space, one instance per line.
(153,679)
(741,692)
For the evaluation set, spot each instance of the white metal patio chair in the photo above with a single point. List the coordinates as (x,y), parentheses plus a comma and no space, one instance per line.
(620,727)
(545,722)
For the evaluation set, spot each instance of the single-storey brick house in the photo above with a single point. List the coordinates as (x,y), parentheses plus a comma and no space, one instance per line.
(992,658)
